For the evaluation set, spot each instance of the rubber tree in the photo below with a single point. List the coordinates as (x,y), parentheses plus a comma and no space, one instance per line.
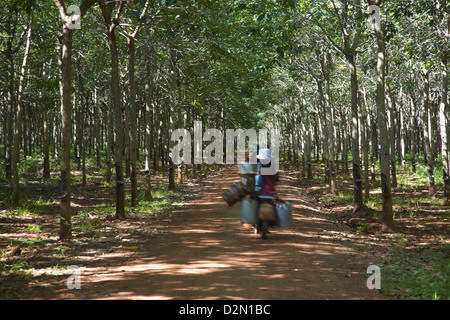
(65,61)
(427,123)
(444,109)
(111,22)
(13,42)
(387,221)
(131,45)
(20,108)
(444,122)
(345,38)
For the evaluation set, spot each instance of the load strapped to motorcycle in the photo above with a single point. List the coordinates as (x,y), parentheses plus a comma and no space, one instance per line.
(262,211)
(253,210)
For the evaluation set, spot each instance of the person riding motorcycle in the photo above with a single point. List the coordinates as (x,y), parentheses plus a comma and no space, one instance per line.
(266,183)
(266,193)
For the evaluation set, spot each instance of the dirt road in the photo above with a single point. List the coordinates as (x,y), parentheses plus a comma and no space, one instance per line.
(206,253)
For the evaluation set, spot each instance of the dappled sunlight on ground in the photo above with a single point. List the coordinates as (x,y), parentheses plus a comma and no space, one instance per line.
(204,252)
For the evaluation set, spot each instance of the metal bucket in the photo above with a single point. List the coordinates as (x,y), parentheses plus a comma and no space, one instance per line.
(249,211)
(283,211)
(234,195)
(246,167)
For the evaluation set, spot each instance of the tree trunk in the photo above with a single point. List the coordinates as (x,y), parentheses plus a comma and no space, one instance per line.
(307,131)
(118,146)
(133,143)
(81,124)
(344,144)
(97,125)
(116,101)
(444,122)
(17,131)
(8,134)
(327,67)
(372,124)
(392,126)
(148,137)
(45,149)
(65,61)
(387,220)
(109,141)
(171,174)
(402,127)
(428,138)
(324,130)
(65,230)
(330,120)
(414,134)
(56,137)
(358,198)
(365,140)
(45,146)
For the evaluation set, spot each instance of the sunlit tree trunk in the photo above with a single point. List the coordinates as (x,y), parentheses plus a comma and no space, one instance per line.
(392,125)
(109,132)
(97,125)
(307,139)
(132,106)
(444,123)
(18,124)
(428,135)
(402,140)
(414,133)
(111,24)
(357,179)
(148,136)
(65,230)
(387,220)
(81,124)
(329,118)
(10,27)
(324,130)
(45,146)
(65,60)
(365,140)
(45,150)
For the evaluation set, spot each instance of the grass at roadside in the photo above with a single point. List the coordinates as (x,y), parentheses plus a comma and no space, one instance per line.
(30,249)
(417,273)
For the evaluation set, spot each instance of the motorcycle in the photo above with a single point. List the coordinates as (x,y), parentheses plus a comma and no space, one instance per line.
(267,216)
(265,212)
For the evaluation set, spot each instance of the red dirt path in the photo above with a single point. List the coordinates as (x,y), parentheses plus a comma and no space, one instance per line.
(206,253)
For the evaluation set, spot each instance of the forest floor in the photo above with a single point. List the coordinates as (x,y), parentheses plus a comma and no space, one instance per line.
(195,247)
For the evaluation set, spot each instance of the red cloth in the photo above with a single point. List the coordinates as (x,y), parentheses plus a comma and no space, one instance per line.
(268,183)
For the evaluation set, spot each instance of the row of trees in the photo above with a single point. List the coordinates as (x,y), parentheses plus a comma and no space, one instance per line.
(395,101)
(136,70)
(119,85)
